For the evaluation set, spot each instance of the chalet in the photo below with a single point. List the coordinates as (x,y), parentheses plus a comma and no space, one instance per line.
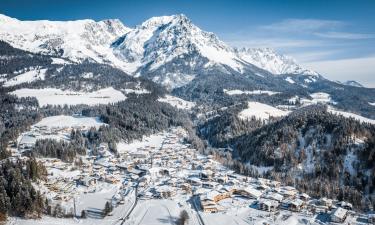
(273,196)
(288,191)
(345,205)
(87,181)
(371,218)
(268,205)
(304,197)
(296,205)
(194,181)
(248,192)
(112,179)
(209,206)
(339,215)
(326,202)
(186,187)
(165,191)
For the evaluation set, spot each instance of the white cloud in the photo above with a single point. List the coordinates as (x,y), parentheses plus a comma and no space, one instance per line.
(345,35)
(312,56)
(359,69)
(303,25)
(276,43)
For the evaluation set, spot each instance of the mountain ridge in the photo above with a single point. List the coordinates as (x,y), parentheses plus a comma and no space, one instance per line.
(151,44)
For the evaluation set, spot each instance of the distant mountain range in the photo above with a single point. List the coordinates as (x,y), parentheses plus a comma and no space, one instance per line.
(142,49)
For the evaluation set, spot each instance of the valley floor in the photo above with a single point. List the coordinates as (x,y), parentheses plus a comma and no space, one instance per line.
(164,177)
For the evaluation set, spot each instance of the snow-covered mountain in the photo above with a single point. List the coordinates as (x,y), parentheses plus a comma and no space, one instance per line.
(159,40)
(268,59)
(162,40)
(352,83)
(170,50)
(76,40)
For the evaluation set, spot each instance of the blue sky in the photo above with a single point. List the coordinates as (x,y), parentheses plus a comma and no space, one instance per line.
(335,38)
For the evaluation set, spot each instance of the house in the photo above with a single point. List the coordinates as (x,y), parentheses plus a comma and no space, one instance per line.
(304,197)
(326,202)
(194,181)
(209,206)
(165,191)
(268,205)
(339,215)
(87,181)
(345,205)
(248,192)
(274,196)
(296,205)
(112,179)
(371,218)
(186,187)
(288,191)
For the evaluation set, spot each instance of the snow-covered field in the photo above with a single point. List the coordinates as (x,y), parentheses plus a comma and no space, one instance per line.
(27,77)
(59,61)
(321,97)
(57,124)
(53,96)
(261,111)
(351,115)
(155,140)
(318,97)
(70,121)
(177,102)
(255,92)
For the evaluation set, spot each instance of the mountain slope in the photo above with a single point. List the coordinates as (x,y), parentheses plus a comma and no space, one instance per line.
(163,40)
(271,61)
(76,40)
(143,50)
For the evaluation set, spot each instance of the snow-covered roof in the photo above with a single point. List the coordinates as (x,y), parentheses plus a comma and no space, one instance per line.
(340,212)
(274,196)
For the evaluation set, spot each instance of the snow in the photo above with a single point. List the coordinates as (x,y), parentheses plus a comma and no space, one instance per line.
(320,97)
(80,39)
(155,140)
(261,111)
(177,102)
(156,212)
(255,92)
(268,59)
(69,121)
(136,91)
(155,42)
(290,80)
(53,96)
(351,115)
(97,199)
(350,158)
(53,127)
(27,77)
(159,40)
(317,97)
(59,61)
(294,99)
